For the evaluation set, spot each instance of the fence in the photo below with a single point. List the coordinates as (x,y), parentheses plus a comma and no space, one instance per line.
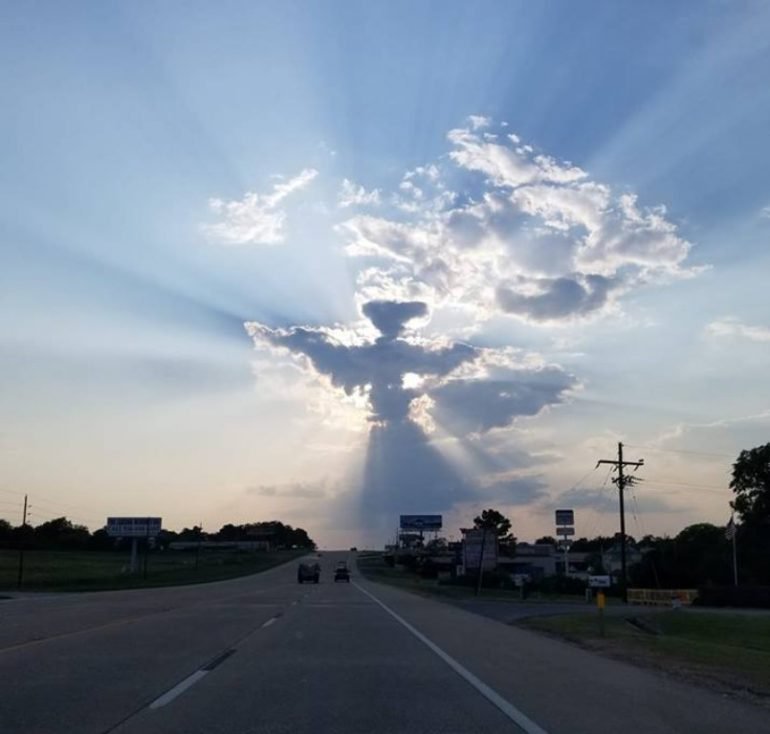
(662,597)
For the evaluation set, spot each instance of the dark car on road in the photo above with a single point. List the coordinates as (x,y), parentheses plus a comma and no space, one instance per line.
(342,572)
(308,572)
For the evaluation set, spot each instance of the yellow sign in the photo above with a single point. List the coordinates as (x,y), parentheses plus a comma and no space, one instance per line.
(600,600)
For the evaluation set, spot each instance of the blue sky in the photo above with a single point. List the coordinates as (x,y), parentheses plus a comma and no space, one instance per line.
(171,172)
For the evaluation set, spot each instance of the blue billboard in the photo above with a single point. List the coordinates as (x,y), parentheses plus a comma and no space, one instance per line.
(421,522)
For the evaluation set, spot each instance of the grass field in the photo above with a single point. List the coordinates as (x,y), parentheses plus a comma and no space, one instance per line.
(100,570)
(730,649)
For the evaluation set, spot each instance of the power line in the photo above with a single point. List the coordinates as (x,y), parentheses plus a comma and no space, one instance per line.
(678,451)
(671,482)
(581,480)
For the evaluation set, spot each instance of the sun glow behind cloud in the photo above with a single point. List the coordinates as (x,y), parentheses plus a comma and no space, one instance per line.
(354,174)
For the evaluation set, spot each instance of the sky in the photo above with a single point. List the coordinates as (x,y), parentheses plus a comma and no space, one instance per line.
(329,263)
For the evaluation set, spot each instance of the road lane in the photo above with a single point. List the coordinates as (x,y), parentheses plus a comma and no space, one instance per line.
(264,654)
(566,689)
(332,663)
(73,672)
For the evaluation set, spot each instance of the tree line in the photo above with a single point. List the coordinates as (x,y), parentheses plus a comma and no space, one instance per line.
(62,534)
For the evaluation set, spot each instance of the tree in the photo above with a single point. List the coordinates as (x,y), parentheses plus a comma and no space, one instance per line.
(751,485)
(495,521)
(546,540)
(6,532)
(61,533)
(500,525)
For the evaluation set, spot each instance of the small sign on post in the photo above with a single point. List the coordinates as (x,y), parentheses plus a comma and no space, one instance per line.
(599,582)
(600,602)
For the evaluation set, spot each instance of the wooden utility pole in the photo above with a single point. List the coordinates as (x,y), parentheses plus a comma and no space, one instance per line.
(22,537)
(621,480)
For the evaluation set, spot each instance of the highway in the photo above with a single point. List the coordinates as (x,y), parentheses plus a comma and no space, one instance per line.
(265,654)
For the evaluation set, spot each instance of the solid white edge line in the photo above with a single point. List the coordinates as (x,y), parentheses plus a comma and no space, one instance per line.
(178,689)
(519,718)
(270,621)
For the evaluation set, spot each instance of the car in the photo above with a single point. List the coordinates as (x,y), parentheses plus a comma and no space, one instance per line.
(354,549)
(342,572)
(308,572)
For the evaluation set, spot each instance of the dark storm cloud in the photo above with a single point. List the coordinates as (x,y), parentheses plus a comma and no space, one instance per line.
(390,317)
(559,298)
(403,471)
(381,364)
(479,405)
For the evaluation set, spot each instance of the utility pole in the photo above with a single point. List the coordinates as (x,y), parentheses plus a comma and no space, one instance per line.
(198,550)
(621,480)
(21,543)
(146,545)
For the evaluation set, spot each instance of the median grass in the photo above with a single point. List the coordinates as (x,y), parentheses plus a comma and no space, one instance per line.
(102,570)
(731,650)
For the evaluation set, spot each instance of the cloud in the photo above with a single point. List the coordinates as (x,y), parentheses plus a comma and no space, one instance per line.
(605,501)
(352,195)
(499,228)
(730,327)
(468,388)
(519,490)
(764,212)
(256,218)
(297,490)
(478,405)
(390,317)
(555,298)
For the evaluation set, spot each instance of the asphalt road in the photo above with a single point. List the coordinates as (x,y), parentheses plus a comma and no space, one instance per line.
(265,654)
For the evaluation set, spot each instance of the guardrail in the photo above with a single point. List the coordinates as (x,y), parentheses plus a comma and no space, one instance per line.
(662,597)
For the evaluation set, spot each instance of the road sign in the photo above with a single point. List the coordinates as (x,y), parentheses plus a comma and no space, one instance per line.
(421,522)
(472,540)
(565,517)
(133,527)
(565,531)
(599,582)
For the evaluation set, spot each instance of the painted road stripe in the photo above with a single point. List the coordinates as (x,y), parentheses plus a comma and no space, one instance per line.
(270,621)
(191,680)
(519,718)
(218,660)
(178,689)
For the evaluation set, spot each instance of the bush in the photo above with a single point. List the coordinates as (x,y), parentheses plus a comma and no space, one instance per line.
(757,597)
(490,580)
(558,585)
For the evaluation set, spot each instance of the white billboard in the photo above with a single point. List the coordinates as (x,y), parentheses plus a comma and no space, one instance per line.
(133,527)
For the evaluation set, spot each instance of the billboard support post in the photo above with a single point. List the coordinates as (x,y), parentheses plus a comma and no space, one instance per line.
(135,528)
(134,556)
(481,561)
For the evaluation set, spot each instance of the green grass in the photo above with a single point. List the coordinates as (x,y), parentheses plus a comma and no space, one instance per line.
(101,570)
(732,649)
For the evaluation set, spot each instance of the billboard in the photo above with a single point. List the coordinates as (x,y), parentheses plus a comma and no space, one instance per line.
(472,540)
(565,517)
(420,522)
(133,527)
